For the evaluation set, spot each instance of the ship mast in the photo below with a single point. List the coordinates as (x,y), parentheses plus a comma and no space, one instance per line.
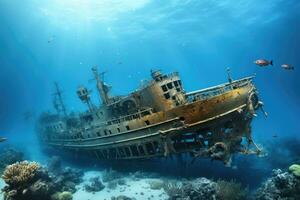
(101,87)
(58,101)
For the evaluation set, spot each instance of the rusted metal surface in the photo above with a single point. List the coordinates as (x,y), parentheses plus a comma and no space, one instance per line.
(159,119)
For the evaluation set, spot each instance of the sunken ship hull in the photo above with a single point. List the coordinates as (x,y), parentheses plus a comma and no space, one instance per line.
(214,122)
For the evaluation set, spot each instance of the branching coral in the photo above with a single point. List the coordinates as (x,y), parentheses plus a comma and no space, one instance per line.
(20,173)
(173,188)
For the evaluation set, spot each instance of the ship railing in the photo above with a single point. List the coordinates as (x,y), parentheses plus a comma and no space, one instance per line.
(218,90)
(137,115)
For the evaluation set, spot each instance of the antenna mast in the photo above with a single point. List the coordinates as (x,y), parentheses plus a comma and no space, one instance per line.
(101,87)
(229,75)
(58,101)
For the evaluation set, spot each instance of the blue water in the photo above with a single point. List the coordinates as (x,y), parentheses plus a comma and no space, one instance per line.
(60,40)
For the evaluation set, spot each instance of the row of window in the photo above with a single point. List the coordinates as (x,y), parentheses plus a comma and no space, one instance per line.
(54,127)
(98,133)
(129,151)
(138,115)
(169,86)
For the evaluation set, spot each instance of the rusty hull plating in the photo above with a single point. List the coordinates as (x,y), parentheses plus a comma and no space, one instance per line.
(158,119)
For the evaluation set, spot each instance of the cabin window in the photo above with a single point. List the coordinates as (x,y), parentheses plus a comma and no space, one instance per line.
(134,150)
(175,83)
(170,85)
(105,132)
(112,153)
(178,89)
(127,128)
(156,147)
(109,131)
(98,133)
(141,150)
(127,152)
(164,88)
(167,95)
(121,152)
(147,122)
(119,130)
(104,153)
(150,148)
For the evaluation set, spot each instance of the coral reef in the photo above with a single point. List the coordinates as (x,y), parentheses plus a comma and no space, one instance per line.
(204,189)
(230,190)
(281,186)
(198,189)
(173,188)
(10,156)
(27,181)
(62,196)
(95,185)
(20,173)
(295,170)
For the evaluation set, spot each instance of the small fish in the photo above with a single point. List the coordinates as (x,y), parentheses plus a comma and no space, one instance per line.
(263,62)
(2,139)
(287,67)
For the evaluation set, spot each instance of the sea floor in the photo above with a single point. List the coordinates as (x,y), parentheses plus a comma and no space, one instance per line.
(138,189)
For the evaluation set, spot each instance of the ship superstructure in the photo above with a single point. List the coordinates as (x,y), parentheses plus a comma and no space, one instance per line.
(158,119)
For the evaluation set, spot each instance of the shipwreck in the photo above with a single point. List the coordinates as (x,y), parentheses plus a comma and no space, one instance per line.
(159,119)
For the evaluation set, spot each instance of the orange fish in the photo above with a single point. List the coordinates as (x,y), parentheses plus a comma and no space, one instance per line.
(263,62)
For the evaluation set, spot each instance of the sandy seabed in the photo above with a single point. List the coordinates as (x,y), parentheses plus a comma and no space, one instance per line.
(138,189)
